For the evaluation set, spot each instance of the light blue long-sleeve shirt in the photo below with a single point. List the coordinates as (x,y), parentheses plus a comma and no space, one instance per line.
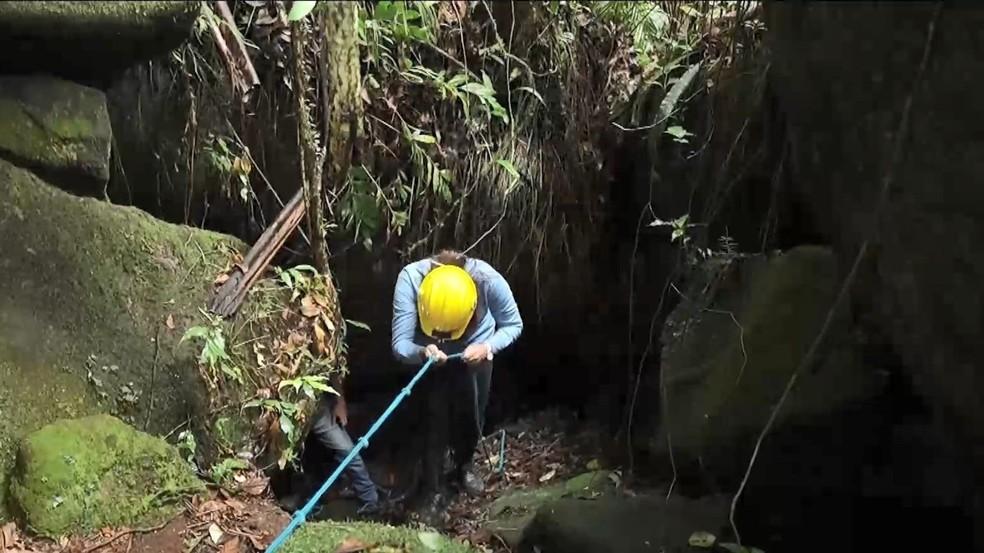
(497,321)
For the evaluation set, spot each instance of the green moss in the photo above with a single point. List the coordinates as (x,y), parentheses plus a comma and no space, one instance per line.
(24,383)
(89,473)
(327,536)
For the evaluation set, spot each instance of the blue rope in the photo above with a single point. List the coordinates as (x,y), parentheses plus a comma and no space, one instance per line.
(301,515)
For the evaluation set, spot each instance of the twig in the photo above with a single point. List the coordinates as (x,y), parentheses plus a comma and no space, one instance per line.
(119,535)
(240,55)
(153,376)
(807,359)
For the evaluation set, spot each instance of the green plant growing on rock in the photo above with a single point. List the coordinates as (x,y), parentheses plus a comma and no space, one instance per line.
(223,472)
(214,359)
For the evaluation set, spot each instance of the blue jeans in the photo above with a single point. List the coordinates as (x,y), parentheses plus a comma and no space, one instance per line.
(336,440)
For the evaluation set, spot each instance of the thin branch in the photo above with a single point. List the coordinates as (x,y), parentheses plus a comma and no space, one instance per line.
(119,535)
(807,359)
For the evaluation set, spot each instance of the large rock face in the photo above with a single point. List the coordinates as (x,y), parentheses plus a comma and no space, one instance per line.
(57,128)
(93,301)
(83,40)
(729,353)
(841,74)
(89,473)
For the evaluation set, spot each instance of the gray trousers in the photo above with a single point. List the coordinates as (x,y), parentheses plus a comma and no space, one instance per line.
(456,396)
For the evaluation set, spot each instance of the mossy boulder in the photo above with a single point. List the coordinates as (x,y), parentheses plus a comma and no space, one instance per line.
(80,475)
(93,301)
(82,40)
(318,537)
(730,350)
(57,128)
(511,514)
(615,524)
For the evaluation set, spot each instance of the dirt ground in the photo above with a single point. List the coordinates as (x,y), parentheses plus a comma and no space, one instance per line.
(536,451)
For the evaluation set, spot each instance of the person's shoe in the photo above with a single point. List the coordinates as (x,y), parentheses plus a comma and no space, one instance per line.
(369,510)
(292,503)
(468,482)
(430,510)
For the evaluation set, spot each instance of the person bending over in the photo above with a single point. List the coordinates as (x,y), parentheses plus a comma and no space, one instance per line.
(443,305)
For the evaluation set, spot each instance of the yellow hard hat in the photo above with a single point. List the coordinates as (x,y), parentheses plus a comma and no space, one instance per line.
(446,302)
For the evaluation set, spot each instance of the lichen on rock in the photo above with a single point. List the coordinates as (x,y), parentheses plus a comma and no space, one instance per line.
(89,473)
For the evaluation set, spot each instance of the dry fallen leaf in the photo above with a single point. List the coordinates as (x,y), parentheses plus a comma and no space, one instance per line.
(257,543)
(220,280)
(231,546)
(211,506)
(169,322)
(351,545)
(309,308)
(548,475)
(215,533)
(8,535)
(255,486)
(319,335)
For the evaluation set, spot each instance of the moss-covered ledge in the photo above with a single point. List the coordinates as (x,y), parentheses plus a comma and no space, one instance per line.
(80,39)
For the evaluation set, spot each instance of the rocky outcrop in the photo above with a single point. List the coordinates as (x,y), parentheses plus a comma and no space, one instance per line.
(89,40)
(56,128)
(90,473)
(729,352)
(841,75)
(93,301)
(640,524)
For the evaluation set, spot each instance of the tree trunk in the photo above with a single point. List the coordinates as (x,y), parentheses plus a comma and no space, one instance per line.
(309,149)
(342,95)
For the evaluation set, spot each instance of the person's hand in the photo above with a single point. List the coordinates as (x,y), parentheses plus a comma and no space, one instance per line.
(476,353)
(435,353)
(340,411)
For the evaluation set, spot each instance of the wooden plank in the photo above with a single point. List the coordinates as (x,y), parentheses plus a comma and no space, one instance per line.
(228,297)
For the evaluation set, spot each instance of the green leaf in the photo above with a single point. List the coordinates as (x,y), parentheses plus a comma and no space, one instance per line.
(702,540)
(358,324)
(431,540)
(424,138)
(384,10)
(300,9)
(286,425)
(195,332)
(509,167)
(478,89)
(677,131)
(307,268)
(533,92)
